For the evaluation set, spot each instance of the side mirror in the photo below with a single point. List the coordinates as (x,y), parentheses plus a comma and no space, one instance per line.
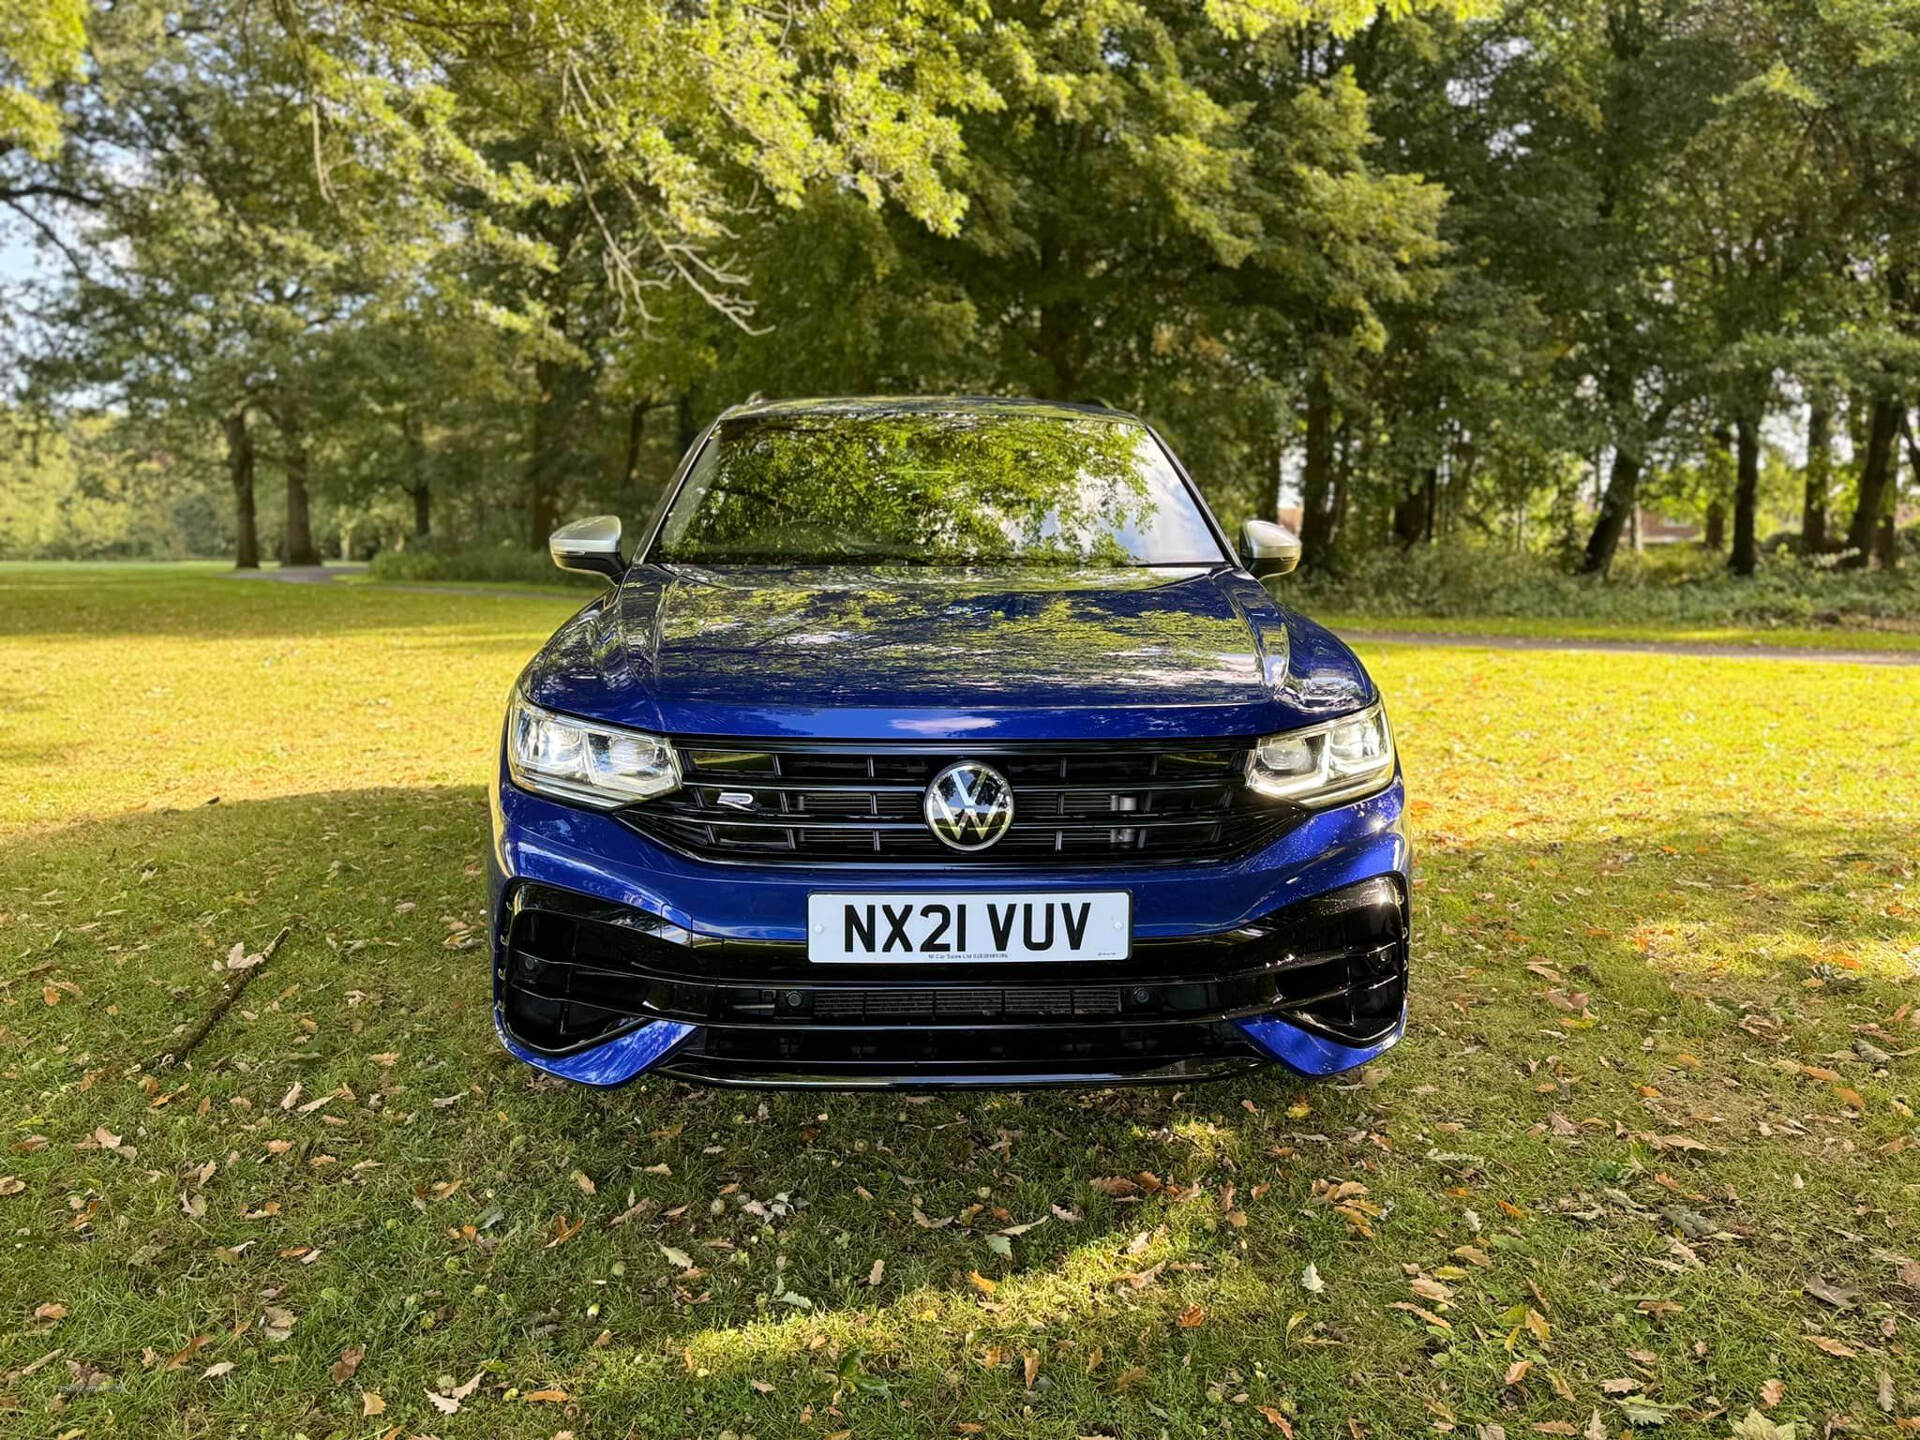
(591,546)
(1268,549)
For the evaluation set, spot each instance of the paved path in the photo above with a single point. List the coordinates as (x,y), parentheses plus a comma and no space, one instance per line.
(1707,649)
(298,574)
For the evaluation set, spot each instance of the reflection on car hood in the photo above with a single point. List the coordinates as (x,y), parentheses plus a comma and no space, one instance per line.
(721,650)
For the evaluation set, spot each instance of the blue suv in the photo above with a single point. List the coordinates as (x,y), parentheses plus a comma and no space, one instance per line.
(943,741)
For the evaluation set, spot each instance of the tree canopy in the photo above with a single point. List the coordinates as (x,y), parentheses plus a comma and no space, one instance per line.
(449,272)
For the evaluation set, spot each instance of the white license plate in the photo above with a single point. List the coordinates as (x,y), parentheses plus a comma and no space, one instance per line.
(945,928)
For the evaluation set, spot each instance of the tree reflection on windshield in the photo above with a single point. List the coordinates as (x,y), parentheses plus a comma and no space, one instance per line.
(938,488)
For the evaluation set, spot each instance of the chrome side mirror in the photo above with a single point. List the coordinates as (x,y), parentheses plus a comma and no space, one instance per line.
(1268,549)
(591,546)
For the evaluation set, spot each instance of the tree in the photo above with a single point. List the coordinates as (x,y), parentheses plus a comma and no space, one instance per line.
(42,44)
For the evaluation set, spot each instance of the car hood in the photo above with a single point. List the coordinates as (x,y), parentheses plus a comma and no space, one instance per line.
(943,654)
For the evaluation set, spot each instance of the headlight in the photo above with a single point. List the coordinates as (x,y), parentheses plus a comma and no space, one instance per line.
(1325,764)
(599,765)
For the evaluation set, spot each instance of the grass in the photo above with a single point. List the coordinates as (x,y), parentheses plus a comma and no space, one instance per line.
(1658,1084)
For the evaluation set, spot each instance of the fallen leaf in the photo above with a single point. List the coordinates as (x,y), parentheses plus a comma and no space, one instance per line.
(1426,1315)
(1310,1280)
(1755,1426)
(1832,1347)
(1274,1418)
(546,1397)
(1771,1392)
(276,1322)
(879,1269)
(216,1370)
(982,1283)
(186,1352)
(371,1404)
(348,1362)
(1193,1317)
(679,1259)
(1822,1288)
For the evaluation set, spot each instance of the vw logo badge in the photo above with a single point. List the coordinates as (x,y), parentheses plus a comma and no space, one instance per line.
(969,805)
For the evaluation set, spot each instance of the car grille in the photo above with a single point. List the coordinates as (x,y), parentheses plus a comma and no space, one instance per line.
(814,803)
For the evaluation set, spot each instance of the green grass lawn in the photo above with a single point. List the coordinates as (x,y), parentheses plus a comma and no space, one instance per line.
(1647,1157)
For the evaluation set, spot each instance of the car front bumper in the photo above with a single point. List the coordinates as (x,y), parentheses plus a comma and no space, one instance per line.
(613,956)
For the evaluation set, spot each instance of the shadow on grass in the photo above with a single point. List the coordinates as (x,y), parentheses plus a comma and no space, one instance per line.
(659,1249)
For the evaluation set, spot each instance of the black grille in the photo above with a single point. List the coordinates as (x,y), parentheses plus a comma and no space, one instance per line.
(861,804)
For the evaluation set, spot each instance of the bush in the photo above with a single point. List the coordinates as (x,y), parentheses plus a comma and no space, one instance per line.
(1673,586)
(476,565)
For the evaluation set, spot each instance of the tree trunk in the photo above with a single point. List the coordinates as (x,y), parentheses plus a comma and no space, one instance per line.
(1413,513)
(1316,480)
(1819,479)
(1890,522)
(419,486)
(1745,558)
(246,528)
(299,549)
(1716,540)
(544,458)
(1622,495)
(1875,472)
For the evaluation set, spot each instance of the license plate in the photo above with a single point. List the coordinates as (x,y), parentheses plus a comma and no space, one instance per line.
(945,928)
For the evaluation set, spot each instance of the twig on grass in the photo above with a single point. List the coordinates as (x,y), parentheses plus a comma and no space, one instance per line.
(235,985)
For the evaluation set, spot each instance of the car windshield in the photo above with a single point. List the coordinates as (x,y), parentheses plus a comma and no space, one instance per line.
(934,487)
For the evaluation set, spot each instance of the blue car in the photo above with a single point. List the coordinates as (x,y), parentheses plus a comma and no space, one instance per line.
(943,741)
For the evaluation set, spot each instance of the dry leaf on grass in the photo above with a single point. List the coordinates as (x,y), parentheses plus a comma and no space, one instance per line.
(348,1363)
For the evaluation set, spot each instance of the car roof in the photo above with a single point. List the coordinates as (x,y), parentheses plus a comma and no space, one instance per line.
(863,406)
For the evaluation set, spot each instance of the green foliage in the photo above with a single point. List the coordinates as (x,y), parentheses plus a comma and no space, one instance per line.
(1684,588)
(1441,270)
(42,44)
(911,487)
(96,490)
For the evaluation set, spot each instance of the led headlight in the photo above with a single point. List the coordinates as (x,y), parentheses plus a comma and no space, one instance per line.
(599,765)
(1325,764)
